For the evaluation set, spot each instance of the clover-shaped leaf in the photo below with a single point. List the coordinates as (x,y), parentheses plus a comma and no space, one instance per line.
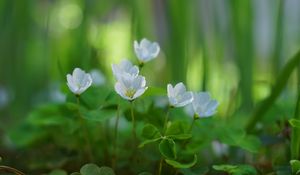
(295,164)
(167,148)
(295,123)
(236,169)
(180,165)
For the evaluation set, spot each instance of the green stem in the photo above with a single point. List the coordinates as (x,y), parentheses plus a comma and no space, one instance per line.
(282,79)
(192,125)
(166,120)
(164,131)
(133,122)
(160,166)
(116,138)
(85,130)
(295,142)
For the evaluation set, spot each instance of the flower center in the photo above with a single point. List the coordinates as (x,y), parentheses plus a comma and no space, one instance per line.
(130,93)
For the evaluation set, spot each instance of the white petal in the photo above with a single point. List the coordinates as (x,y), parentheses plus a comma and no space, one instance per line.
(170,90)
(145,43)
(179,88)
(139,92)
(202,98)
(139,82)
(154,49)
(120,89)
(72,86)
(78,74)
(173,101)
(212,105)
(187,98)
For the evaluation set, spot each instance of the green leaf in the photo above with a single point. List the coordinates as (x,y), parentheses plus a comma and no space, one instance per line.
(148,141)
(238,137)
(176,164)
(250,143)
(295,164)
(58,172)
(226,168)
(90,169)
(295,123)
(150,132)
(98,115)
(50,115)
(236,169)
(106,171)
(167,148)
(178,130)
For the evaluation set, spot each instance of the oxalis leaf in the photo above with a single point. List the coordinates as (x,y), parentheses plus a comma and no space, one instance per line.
(295,123)
(148,141)
(150,132)
(90,169)
(167,148)
(177,128)
(180,165)
(238,137)
(106,171)
(236,169)
(295,164)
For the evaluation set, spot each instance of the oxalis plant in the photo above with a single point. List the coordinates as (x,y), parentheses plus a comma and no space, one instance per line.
(134,129)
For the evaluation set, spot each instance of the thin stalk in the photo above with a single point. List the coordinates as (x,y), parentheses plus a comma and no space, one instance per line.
(192,125)
(160,166)
(166,120)
(116,137)
(295,133)
(133,123)
(295,142)
(190,130)
(86,134)
(11,170)
(164,131)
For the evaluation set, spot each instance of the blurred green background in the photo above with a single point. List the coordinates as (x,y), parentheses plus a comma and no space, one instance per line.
(232,48)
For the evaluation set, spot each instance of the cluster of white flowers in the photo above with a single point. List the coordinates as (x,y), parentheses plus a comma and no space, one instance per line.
(130,85)
(202,104)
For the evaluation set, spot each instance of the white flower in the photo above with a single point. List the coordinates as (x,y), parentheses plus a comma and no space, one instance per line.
(178,96)
(203,105)
(98,77)
(130,87)
(79,81)
(146,50)
(124,68)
